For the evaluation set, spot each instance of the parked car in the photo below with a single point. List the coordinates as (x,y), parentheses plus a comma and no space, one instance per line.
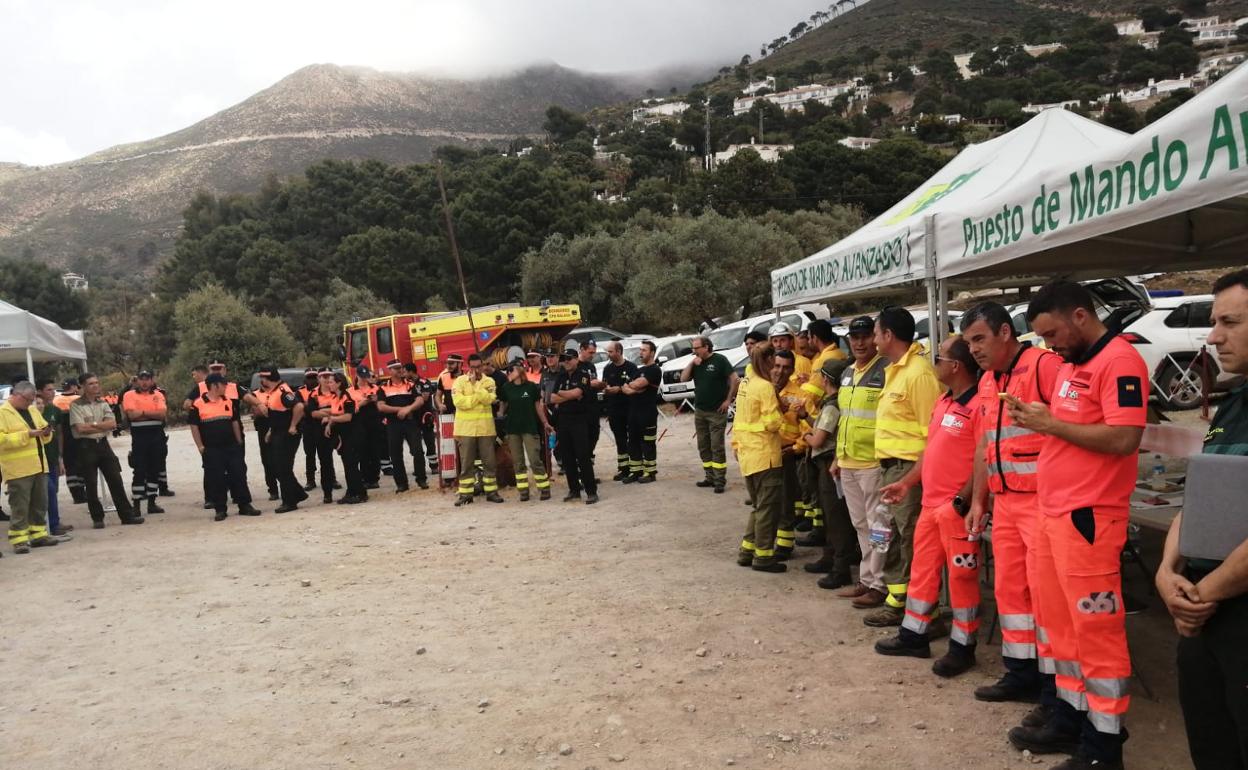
(730,341)
(1168,332)
(598,334)
(666,348)
(1170,337)
(292,377)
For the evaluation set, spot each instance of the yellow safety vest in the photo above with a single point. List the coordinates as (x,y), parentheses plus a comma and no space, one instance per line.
(814,386)
(792,430)
(756,427)
(858,399)
(910,393)
(474,406)
(20,453)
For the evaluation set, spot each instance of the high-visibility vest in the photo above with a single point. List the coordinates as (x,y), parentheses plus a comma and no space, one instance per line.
(231,390)
(63,402)
(361,392)
(792,429)
(855,433)
(273,398)
(215,411)
(1010,451)
(21,454)
(910,393)
(814,386)
(756,427)
(474,406)
(152,401)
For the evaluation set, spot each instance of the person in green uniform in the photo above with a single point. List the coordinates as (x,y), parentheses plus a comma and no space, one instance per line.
(714,389)
(525,422)
(1209,599)
(54,417)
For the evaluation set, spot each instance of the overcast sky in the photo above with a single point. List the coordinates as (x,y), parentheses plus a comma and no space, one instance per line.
(79,76)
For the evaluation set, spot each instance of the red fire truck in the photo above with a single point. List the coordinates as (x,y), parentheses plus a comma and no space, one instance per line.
(426,339)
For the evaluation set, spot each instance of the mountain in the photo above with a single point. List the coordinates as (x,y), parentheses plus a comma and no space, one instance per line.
(888,24)
(119,210)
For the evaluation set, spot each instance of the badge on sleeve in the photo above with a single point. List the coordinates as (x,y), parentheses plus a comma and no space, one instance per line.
(1130,392)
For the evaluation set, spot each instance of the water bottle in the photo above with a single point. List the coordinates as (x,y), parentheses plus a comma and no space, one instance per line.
(1159,468)
(881,528)
(550,441)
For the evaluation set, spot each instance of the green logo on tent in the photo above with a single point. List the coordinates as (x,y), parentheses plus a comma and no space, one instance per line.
(931,195)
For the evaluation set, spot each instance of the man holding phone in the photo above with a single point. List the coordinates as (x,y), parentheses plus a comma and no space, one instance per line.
(24,436)
(1087,471)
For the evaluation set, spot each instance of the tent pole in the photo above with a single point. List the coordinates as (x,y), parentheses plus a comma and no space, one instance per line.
(933,286)
(942,297)
(30,366)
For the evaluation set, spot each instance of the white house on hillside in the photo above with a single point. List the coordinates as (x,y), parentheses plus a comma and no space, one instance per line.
(652,113)
(858,142)
(768,82)
(796,98)
(1130,27)
(768,152)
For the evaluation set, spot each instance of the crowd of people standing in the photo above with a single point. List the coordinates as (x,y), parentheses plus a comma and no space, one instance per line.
(893,466)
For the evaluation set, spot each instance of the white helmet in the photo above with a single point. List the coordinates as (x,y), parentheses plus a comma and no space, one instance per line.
(780,329)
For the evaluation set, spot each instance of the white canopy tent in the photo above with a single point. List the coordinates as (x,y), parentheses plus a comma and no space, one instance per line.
(902,245)
(1173,196)
(27,337)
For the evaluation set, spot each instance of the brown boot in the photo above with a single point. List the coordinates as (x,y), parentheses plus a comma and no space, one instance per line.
(853,592)
(872,598)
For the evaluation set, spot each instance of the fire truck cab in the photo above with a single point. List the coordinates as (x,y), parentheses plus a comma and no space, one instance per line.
(502,332)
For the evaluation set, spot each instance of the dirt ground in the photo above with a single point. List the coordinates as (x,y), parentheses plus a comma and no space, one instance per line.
(539,635)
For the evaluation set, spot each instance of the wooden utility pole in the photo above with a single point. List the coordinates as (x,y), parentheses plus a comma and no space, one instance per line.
(459,267)
(710,155)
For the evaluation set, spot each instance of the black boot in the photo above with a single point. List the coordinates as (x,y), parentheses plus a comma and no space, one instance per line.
(821,567)
(246,509)
(705,483)
(958,660)
(1048,738)
(816,539)
(832,581)
(904,645)
(152,507)
(1007,689)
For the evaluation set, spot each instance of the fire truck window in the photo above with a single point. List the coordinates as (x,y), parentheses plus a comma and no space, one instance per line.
(359,344)
(385,341)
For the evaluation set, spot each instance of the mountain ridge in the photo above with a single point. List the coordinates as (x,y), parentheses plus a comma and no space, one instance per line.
(97,212)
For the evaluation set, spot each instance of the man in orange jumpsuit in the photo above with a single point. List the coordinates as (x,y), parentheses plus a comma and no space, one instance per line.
(945,468)
(1006,466)
(1087,472)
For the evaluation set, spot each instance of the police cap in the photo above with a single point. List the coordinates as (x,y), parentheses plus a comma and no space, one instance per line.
(455,358)
(363,371)
(216,363)
(862,325)
(833,368)
(310,371)
(268,374)
(568,355)
(145,375)
(215,379)
(394,363)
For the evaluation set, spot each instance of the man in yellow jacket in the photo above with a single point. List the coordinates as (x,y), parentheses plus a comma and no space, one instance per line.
(474,396)
(24,464)
(910,393)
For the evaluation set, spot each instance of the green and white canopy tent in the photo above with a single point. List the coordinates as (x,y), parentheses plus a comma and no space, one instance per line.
(1173,196)
(900,246)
